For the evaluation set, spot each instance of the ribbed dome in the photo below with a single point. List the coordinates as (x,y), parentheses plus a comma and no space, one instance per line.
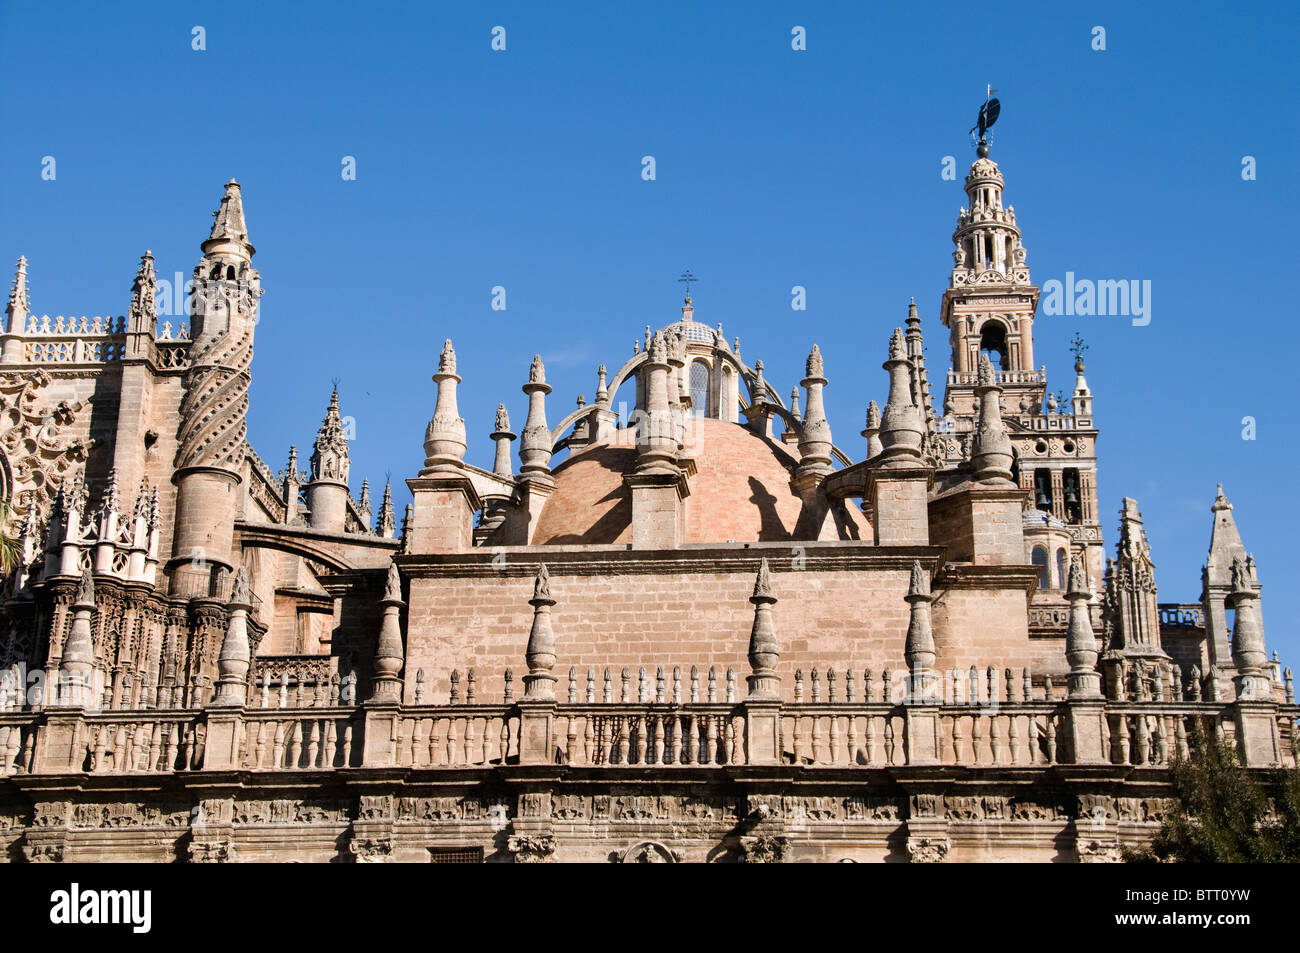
(741,492)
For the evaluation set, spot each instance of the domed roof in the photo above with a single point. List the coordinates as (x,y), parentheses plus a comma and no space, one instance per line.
(740,492)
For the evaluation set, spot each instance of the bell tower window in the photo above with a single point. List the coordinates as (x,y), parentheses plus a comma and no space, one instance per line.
(699,384)
(993,342)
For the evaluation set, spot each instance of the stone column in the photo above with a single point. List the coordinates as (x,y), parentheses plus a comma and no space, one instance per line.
(235,657)
(1088,728)
(537,707)
(1256,707)
(898,482)
(387,684)
(77,662)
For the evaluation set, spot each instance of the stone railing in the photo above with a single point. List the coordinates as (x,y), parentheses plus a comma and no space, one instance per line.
(1000,377)
(296,681)
(965,718)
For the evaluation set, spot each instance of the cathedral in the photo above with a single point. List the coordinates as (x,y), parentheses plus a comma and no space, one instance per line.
(685,623)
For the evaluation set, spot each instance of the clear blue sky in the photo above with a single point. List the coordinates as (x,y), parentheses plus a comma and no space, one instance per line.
(774,168)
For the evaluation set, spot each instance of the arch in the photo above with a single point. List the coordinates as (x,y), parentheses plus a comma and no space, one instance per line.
(1039,559)
(253,539)
(993,342)
(698,384)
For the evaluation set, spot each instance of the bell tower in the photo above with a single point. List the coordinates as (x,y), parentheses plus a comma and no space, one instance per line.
(988,307)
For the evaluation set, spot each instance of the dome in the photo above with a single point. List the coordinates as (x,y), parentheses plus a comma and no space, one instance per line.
(740,492)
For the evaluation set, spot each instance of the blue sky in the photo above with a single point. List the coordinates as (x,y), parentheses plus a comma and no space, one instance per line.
(774,168)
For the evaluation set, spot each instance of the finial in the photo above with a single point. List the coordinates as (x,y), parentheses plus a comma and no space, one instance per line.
(873,416)
(447,360)
(537,371)
(240,593)
(920,582)
(897,347)
(503,419)
(542,584)
(393,586)
(86,589)
(688,279)
(813,366)
(763,582)
(1077,347)
(985,377)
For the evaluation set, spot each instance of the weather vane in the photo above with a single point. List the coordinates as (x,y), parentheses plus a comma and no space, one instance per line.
(687,278)
(987,117)
(1077,347)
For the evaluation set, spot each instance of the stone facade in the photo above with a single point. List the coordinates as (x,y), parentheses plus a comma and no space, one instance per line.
(698,629)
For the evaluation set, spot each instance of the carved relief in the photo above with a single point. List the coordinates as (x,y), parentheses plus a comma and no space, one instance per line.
(649,852)
(928,850)
(532,849)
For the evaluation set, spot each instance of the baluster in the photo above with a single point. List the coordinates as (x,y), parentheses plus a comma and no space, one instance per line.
(977,736)
(798,686)
(420,741)
(1051,739)
(454,698)
(508,692)
(1027,686)
(641,740)
(1162,739)
(1123,740)
(853,724)
(419,686)
(738,742)
(484,742)
(869,743)
(505,739)
(641,687)
(817,745)
(655,738)
(889,737)
(693,741)
(283,700)
(277,746)
(335,694)
(848,688)
(1014,742)
(677,685)
(835,730)
(1143,742)
(958,751)
(295,744)
(995,739)
(659,685)
(713,756)
(993,689)
(626,681)
(121,745)
(310,732)
(1180,737)
(591,684)
(677,725)
(796,734)
(731,686)
(830,686)
(867,687)
(973,690)
(328,752)
(452,745)
(266,689)
(588,741)
(609,690)
(624,726)
(345,755)
(470,724)
(469,686)
(947,752)
(728,740)
(695,685)
(713,685)
(1011,686)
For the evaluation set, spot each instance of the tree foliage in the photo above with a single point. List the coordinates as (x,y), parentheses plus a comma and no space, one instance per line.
(1227,813)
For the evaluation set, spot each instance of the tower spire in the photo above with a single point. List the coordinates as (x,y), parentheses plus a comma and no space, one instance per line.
(20,303)
(143,314)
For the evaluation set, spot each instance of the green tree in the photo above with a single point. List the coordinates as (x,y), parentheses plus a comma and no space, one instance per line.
(1227,813)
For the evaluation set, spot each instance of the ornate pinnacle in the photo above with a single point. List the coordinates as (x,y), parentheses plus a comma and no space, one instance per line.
(1080,643)
(393,585)
(539,683)
(764,652)
(919,584)
(503,419)
(19,301)
(813,366)
(873,416)
(919,645)
(602,389)
(86,591)
(386,521)
(897,347)
(537,371)
(240,593)
(143,309)
(542,585)
(447,360)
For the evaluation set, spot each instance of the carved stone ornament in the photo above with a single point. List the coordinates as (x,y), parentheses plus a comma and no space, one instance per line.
(1099,852)
(928,850)
(650,852)
(532,848)
(371,850)
(211,852)
(765,849)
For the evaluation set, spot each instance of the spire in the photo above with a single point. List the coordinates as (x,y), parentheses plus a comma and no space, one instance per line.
(363,504)
(329,460)
(919,650)
(143,313)
(916,354)
(228,225)
(764,652)
(815,435)
(602,389)
(386,521)
(539,683)
(444,438)
(503,437)
(900,425)
(20,304)
(1080,644)
(991,448)
(535,448)
(387,683)
(1131,604)
(78,659)
(1225,543)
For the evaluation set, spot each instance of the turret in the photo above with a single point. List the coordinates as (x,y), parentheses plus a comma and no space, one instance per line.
(16,314)
(212,425)
(327,487)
